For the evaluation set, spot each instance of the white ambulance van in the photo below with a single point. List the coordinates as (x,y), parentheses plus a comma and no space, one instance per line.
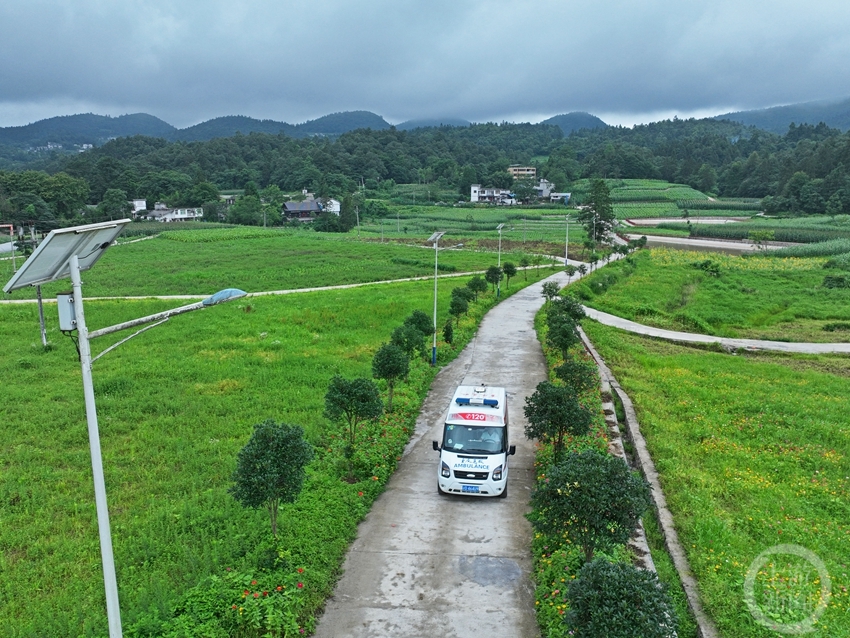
(475,450)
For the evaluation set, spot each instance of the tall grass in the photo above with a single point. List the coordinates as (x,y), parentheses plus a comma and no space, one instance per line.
(753,451)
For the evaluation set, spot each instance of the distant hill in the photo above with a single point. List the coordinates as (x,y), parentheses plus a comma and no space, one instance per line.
(76,130)
(230,125)
(777,119)
(575,121)
(339,123)
(409,125)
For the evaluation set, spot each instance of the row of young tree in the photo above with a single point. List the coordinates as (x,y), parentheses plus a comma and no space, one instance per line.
(590,498)
(271,468)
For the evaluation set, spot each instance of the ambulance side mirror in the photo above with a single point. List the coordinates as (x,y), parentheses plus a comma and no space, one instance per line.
(512,450)
(436,446)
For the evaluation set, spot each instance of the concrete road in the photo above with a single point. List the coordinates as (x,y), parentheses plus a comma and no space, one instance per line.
(738,344)
(451,566)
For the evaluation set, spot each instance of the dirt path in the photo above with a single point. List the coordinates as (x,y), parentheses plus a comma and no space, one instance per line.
(451,566)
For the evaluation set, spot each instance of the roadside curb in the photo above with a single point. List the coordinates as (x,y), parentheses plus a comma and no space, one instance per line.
(705,625)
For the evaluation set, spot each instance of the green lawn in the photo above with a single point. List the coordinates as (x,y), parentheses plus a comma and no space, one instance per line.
(760,298)
(753,451)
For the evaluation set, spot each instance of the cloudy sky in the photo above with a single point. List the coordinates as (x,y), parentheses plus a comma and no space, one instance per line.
(627,61)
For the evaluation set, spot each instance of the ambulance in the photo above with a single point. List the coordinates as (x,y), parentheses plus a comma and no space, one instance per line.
(475,450)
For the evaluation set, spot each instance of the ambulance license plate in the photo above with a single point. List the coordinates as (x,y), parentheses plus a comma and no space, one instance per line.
(470,488)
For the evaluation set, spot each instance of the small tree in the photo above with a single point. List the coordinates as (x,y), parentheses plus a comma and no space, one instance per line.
(571,271)
(563,332)
(578,375)
(421,321)
(550,290)
(458,306)
(477,285)
(524,263)
(510,271)
(409,338)
(270,469)
(352,402)
(464,293)
(618,600)
(391,364)
(582,270)
(554,411)
(594,498)
(493,276)
(567,306)
(448,332)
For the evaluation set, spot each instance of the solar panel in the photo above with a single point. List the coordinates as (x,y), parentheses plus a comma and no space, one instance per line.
(49,261)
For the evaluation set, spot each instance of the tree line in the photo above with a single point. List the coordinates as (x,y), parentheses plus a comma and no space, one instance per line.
(804,170)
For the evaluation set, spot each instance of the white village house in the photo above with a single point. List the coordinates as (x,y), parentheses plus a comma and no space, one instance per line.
(162,213)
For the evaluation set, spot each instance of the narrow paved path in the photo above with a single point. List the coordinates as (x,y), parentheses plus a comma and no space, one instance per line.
(451,566)
(742,344)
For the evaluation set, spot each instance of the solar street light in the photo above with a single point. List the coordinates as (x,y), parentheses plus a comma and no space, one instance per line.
(66,253)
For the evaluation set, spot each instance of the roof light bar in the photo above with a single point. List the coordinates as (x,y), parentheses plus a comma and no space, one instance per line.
(490,403)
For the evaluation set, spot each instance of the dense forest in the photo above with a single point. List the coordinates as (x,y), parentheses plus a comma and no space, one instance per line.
(804,170)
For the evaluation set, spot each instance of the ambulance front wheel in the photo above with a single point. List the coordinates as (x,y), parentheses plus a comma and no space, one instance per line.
(504,493)
(440,490)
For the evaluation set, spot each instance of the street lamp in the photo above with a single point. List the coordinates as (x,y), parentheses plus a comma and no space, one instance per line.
(66,253)
(435,238)
(499,262)
(567,243)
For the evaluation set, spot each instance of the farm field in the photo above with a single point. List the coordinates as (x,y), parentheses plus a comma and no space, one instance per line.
(753,451)
(809,229)
(468,224)
(253,259)
(755,297)
(175,405)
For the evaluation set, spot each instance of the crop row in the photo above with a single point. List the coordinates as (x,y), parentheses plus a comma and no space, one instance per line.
(744,231)
(724,204)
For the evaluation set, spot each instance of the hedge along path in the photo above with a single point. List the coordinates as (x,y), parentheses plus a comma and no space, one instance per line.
(705,625)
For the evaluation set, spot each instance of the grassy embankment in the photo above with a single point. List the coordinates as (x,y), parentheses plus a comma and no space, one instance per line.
(753,451)
(175,406)
(756,297)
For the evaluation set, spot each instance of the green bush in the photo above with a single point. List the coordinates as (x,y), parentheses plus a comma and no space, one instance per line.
(617,600)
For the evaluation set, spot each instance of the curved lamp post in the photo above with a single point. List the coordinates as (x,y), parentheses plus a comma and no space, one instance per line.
(66,253)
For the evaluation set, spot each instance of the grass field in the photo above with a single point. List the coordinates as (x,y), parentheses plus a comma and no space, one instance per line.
(254,259)
(175,405)
(753,452)
(760,298)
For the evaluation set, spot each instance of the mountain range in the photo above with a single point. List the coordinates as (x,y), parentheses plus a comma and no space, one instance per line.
(76,132)
(70,132)
(777,119)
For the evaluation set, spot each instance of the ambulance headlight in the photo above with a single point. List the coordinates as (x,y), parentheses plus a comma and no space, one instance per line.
(497,474)
(445,471)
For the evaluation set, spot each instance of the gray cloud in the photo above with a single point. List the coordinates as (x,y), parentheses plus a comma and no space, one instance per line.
(190,60)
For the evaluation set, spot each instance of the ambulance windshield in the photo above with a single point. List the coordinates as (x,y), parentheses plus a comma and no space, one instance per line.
(474,439)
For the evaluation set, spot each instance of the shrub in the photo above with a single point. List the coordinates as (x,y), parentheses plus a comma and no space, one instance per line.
(391,364)
(594,498)
(554,411)
(617,600)
(270,468)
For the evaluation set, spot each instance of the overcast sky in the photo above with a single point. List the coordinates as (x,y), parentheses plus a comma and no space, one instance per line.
(628,61)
